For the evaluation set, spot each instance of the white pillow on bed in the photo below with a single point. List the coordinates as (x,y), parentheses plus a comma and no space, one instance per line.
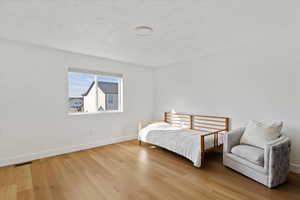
(259,134)
(159,125)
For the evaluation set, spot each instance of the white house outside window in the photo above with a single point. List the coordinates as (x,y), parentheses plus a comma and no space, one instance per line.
(93,92)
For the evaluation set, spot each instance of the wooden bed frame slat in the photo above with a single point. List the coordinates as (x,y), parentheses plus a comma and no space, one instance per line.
(209,124)
(207,116)
(180,120)
(178,115)
(207,127)
(210,120)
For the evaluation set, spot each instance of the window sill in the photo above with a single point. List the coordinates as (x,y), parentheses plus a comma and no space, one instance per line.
(94,113)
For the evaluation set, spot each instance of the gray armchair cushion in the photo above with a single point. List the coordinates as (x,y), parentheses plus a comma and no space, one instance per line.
(232,139)
(250,153)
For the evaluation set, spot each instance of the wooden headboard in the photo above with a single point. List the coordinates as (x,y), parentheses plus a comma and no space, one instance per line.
(203,123)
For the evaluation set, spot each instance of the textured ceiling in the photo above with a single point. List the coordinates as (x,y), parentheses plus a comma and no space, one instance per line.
(182,28)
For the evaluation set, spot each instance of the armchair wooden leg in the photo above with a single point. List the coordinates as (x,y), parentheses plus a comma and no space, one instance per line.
(140,142)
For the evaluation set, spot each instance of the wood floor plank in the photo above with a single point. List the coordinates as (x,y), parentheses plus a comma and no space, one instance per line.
(127,171)
(23,178)
(8,192)
(7,176)
(40,183)
(26,195)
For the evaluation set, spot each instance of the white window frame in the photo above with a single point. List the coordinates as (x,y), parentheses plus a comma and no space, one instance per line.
(101,73)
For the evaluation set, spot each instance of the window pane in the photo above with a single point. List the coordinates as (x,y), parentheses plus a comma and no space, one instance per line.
(86,96)
(108,93)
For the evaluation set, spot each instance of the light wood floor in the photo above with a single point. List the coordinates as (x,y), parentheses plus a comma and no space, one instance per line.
(129,171)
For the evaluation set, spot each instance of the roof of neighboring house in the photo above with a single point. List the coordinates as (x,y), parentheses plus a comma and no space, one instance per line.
(106,87)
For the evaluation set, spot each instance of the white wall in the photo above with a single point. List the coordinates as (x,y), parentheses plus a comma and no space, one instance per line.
(254,80)
(34,121)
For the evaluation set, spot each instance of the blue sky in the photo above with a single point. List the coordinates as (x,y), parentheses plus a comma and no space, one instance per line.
(79,83)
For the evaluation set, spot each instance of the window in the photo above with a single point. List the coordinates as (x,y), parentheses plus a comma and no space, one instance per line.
(93,92)
(110,99)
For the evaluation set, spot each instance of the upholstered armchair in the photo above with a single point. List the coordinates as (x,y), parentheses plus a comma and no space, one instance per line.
(269,166)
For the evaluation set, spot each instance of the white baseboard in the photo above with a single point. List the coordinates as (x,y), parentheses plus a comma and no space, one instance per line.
(55,152)
(295,168)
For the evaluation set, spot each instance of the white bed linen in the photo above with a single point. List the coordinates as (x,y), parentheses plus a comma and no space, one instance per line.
(185,142)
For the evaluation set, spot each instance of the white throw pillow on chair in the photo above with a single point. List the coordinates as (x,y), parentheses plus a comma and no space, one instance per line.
(259,134)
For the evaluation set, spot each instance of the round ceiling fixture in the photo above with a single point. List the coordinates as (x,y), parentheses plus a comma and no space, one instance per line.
(143,30)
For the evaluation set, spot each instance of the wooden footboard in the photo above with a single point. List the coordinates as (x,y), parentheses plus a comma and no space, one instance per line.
(216,146)
(210,126)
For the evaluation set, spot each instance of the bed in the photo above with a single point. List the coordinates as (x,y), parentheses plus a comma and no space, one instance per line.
(190,136)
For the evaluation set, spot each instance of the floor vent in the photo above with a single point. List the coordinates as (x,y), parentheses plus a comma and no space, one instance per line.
(22,164)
